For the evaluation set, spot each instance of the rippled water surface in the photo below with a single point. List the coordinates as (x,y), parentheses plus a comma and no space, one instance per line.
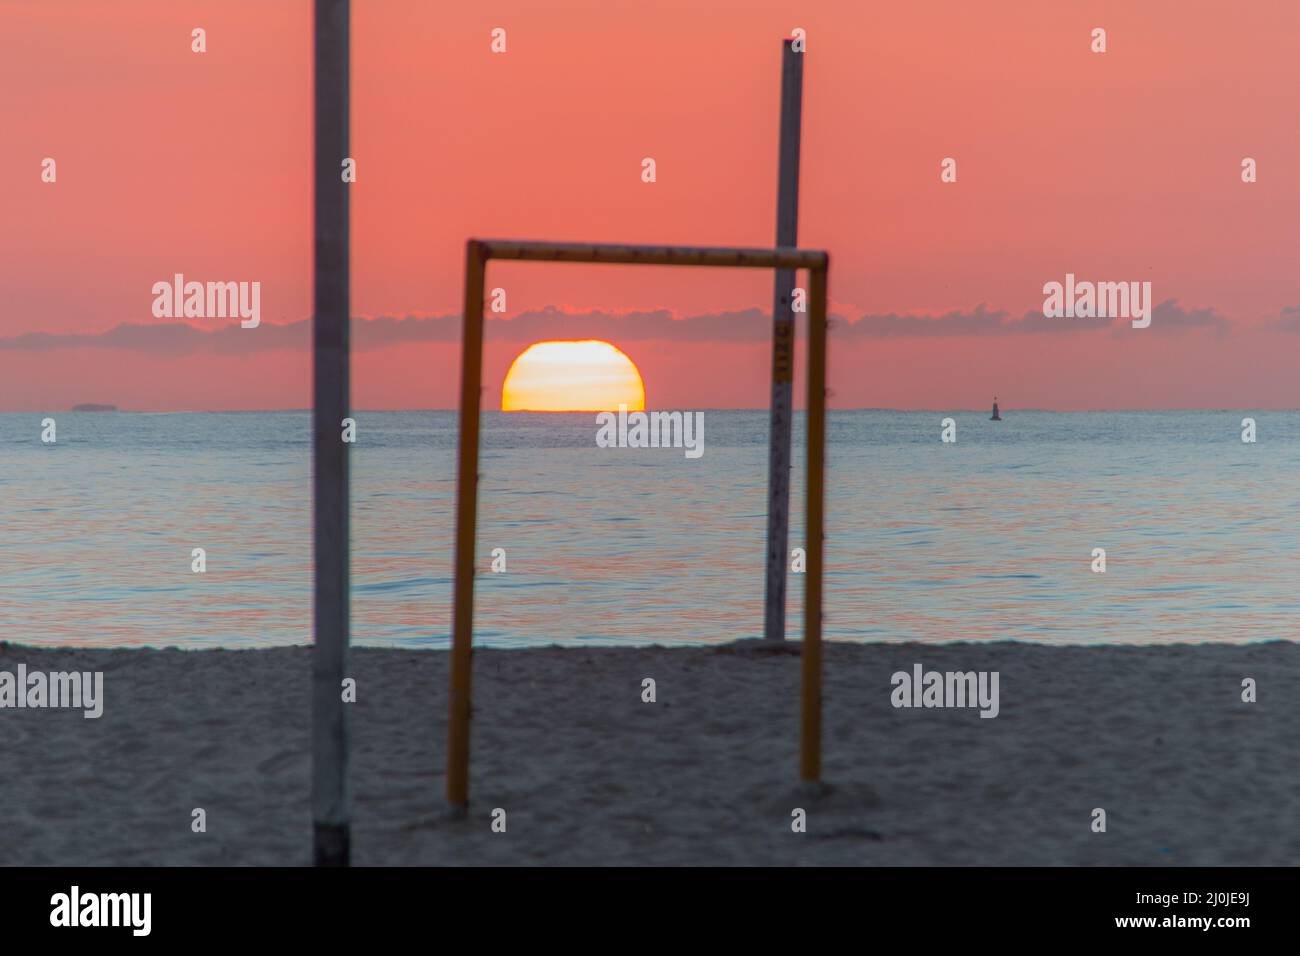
(987,538)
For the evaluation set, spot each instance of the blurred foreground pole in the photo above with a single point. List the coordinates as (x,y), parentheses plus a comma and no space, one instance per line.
(787,229)
(331,300)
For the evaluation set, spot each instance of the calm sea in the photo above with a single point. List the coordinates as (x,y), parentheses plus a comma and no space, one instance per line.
(985,539)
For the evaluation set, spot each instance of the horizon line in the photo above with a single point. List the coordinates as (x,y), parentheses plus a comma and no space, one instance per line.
(754,408)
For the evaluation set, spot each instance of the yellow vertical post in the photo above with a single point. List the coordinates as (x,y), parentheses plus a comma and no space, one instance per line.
(810,758)
(471,373)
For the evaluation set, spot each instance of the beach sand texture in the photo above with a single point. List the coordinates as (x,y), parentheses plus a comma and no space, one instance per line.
(589,774)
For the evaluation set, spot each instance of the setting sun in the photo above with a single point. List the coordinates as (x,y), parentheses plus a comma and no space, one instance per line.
(586,376)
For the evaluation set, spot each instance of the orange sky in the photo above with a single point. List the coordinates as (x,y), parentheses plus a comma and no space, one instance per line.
(1120,166)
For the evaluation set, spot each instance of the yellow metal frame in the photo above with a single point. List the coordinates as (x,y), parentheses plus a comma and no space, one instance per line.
(477,254)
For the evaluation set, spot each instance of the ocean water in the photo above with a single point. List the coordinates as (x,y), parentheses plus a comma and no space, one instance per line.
(988,538)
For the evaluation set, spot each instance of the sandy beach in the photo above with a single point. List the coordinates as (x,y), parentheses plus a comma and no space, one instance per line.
(588,773)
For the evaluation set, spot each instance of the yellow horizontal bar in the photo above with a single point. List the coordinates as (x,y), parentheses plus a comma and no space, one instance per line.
(780,258)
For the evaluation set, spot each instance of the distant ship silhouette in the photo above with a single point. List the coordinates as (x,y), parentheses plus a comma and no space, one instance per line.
(995,417)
